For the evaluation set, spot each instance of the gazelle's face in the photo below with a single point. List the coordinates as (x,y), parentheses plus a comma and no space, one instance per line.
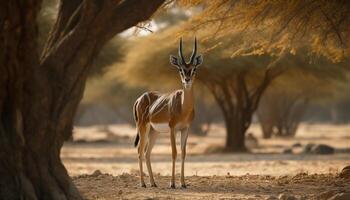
(187,71)
(187,76)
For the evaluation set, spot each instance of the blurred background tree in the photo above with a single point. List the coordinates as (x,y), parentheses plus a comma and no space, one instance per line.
(284,104)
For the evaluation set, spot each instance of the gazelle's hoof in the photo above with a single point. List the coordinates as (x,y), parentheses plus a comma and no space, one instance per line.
(172,185)
(154,185)
(143,185)
(183,186)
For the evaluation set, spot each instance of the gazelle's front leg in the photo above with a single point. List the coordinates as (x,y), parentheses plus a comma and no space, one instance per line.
(184,135)
(174,154)
(152,136)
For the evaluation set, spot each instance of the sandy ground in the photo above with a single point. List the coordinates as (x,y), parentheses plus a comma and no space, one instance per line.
(300,186)
(264,173)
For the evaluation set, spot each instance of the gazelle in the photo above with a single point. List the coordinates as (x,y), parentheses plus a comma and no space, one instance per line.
(156,113)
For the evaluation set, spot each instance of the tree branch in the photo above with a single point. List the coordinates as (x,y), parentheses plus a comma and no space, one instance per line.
(131,10)
(66,9)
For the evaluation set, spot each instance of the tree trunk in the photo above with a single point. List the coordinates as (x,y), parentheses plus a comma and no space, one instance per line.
(290,119)
(39,97)
(266,118)
(235,135)
(267,130)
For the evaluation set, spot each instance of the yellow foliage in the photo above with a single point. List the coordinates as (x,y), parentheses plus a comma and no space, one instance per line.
(321,26)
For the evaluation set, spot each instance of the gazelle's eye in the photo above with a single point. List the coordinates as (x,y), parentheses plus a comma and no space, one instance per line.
(193,71)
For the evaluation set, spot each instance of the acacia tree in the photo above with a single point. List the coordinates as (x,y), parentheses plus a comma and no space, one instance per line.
(237,91)
(40,92)
(238,80)
(283,105)
(280,113)
(320,26)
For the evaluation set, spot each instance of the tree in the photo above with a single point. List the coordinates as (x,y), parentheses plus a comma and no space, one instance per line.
(237,91)
(283,105)
(39,94)
(320,26)
(280,113)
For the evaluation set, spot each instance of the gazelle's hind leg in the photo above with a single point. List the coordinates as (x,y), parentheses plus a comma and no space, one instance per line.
(143,131)
(152,137)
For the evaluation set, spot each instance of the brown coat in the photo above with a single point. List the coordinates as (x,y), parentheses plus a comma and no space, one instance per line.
(153,107)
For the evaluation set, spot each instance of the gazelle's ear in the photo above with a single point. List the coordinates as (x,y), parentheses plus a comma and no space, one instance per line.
(174,61)
(198,60)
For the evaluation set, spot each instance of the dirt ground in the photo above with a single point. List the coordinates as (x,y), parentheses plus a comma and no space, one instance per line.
(264,173)
(300,186)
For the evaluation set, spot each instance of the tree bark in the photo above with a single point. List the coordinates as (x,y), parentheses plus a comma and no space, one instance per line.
(39,96)
(235,135)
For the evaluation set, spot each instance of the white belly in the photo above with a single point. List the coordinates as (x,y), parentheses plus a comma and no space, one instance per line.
(164,127)
(161,127)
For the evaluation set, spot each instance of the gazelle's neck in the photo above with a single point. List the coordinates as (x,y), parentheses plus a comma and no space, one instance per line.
(187,99)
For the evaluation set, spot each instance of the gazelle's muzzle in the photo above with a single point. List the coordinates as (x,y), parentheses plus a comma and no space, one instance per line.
(187,84)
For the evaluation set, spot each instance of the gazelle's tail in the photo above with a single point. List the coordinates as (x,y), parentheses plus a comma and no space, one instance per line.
(136,142)
(137,138)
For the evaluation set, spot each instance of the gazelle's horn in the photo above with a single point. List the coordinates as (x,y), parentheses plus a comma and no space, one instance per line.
(194,51)
(180,52)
